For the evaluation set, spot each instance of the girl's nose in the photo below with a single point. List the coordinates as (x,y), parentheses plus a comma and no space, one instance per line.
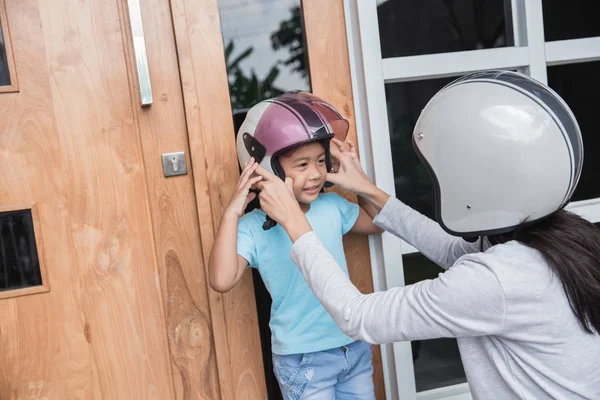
(315,173)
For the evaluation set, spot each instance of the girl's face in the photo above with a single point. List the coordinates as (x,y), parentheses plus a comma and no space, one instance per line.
(306,166)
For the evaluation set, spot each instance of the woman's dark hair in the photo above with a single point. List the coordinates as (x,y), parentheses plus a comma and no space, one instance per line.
(571,246)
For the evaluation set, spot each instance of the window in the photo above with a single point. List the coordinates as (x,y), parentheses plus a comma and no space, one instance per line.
(406,50)
(21,269)
(8,78)
(408,28)
(579,84)
(436,362)
(4,72)
(570,20)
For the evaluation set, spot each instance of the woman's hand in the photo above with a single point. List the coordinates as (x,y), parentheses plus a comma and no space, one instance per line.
(278,202)
(349,175)
(243,196)
(347,171)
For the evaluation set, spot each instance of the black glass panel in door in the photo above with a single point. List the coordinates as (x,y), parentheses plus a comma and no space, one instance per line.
(574,19)
(579,85)
(4,72)
(405,101)
(19,264)
(265,54)
(437,362)
(415,27)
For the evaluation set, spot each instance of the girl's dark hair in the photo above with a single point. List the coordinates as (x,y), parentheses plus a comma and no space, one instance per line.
(571,246)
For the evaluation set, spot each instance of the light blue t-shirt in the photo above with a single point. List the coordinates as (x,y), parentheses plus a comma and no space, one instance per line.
(299,323)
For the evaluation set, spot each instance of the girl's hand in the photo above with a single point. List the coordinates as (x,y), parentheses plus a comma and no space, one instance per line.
(243,196)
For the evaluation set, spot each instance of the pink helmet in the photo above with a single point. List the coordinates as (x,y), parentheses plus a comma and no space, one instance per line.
(276,125)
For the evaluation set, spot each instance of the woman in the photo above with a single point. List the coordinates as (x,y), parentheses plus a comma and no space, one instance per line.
(522,288)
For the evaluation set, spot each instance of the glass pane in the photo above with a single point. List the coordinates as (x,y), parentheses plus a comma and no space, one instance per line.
(264,49)
(573,19)
(405,100)
(414,27)
(579,85)
(265,53)
(4,73)
(19,265)
(437,362)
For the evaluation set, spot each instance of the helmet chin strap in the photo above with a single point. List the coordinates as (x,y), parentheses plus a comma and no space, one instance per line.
(269,223)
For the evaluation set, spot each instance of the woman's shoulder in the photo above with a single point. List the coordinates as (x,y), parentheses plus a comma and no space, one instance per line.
(513,263)
(504,253)
(513,250)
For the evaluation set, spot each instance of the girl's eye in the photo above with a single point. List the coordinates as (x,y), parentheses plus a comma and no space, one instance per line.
(302,165)
(321,161)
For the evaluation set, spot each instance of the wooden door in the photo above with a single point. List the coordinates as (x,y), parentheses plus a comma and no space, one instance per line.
(123,309)
(70,151)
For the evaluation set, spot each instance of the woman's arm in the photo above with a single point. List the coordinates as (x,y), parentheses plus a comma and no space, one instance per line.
(392,215)
(424,234)
(467,300)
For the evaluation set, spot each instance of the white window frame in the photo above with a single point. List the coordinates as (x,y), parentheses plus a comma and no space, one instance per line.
(370,73)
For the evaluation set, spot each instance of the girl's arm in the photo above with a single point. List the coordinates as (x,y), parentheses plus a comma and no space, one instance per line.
(364,224)
(225,266)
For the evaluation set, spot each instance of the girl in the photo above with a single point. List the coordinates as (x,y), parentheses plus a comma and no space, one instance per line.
(290,135)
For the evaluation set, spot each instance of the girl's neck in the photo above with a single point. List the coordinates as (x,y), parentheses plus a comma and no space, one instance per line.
(304,207)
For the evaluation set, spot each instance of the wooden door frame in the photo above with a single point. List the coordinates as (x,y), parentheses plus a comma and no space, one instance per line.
(214,163)
(328,57)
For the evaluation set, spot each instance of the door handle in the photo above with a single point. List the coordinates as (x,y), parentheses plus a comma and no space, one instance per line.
(139,47)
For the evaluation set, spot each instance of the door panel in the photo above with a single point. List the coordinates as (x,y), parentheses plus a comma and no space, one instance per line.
(214,162)
(68,143)
(173,207)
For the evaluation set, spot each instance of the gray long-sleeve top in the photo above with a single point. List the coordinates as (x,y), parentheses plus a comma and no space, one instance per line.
(518,337)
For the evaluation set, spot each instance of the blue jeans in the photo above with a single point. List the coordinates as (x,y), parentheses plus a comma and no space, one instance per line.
(340,373)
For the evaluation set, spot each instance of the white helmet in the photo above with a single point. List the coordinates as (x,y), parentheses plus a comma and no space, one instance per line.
(502,150)
(276,125)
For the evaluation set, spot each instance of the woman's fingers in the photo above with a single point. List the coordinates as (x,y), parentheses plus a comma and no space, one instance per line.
(251,182)
(247,172)
(251,196)
(332,177)
(264,173)
(351,146)
(341,147)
